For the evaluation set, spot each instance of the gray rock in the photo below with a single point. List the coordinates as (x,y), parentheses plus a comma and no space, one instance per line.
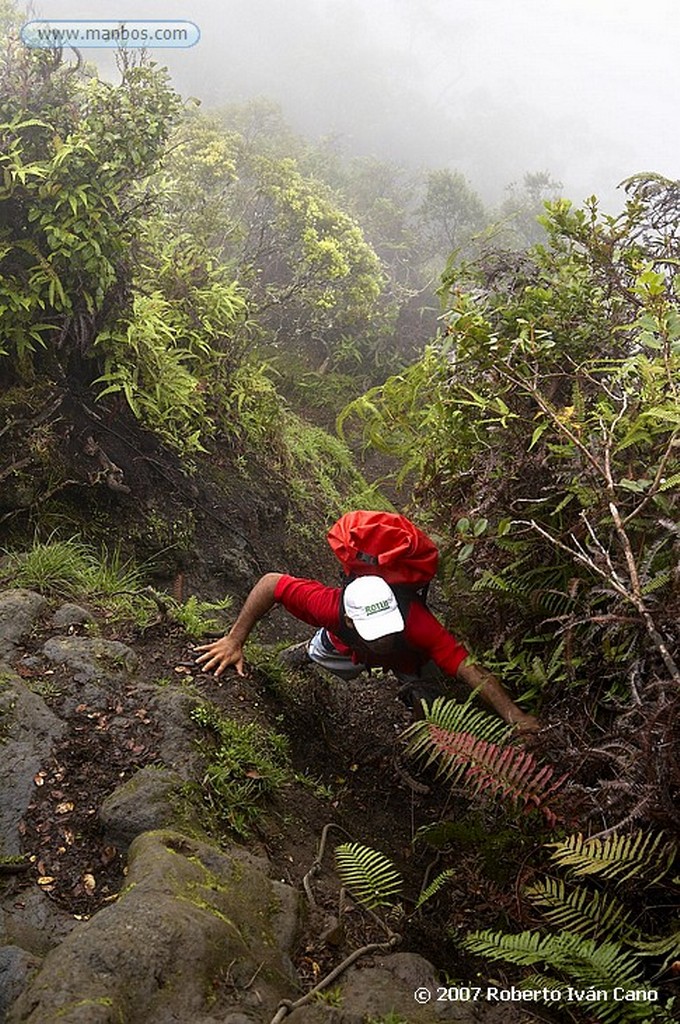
(28,728)
(31,920)
(71,615)
(170,707)
(16,966)
(19,609)
(91,658)
(377,986)
(188,914)
(149,800)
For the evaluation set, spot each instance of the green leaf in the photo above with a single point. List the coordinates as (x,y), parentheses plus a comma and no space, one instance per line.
(465,552)
(538,433)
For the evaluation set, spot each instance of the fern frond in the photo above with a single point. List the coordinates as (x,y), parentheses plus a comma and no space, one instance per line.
(588,963)
(603,963)
(541,981)
(451,716)
(504,771)
(639,855)
(435,885)
(665,945)
(369,875)
(580,910)
(658,581)
(670,482)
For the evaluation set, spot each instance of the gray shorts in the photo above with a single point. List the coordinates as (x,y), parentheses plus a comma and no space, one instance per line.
(322,652)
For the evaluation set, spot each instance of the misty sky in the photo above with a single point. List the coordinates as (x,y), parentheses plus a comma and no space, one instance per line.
(586,89)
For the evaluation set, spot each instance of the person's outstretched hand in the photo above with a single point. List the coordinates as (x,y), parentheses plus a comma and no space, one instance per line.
(220,655)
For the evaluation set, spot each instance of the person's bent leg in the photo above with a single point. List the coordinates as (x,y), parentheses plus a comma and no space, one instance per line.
(324,654)
(429,684)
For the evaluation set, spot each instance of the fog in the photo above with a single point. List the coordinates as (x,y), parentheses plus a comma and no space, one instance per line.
(586,89)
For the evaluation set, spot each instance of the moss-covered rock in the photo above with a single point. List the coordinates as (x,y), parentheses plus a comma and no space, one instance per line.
(196,929)
(151,799)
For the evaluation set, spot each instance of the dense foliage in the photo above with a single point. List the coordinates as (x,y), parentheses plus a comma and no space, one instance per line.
(72,150)
(541,431)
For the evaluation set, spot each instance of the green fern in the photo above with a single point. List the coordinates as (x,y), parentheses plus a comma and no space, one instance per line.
(657,582)
(579,909)
(435,886)
(452,716)
(665,946)
(369,875)
(587,963)
(463,742)
(639,855)
(587,960)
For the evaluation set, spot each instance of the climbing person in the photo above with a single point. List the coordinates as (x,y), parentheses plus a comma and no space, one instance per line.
(377,618)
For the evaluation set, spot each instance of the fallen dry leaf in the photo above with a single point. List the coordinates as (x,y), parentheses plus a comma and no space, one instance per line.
(39,779)
(46,880)
(89,883)
(64,807)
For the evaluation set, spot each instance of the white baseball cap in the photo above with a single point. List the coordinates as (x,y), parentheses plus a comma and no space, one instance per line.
(371,605)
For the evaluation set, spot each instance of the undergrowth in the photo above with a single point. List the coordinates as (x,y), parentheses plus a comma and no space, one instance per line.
(599,928)
(245,763)
(72,569)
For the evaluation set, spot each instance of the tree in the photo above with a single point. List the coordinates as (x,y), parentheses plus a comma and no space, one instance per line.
(521,211)
(451,212)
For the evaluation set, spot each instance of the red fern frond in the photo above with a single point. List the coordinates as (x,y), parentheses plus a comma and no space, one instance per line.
(505,771)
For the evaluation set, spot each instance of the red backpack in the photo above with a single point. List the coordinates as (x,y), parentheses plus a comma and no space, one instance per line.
(384,544)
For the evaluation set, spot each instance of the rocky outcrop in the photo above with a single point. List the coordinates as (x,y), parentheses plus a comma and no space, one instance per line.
(152,799)
(27,730)
(18,611)
(192,924)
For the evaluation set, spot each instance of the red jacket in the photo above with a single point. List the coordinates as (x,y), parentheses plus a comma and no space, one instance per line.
(425,637)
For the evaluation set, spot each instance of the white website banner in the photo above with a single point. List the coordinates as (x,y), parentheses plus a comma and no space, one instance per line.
(110,34)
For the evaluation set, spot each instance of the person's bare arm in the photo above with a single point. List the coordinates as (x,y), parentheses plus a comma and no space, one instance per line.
(228,650)
(492,693)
